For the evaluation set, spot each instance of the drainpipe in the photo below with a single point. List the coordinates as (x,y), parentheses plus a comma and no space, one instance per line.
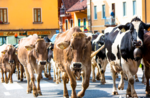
(145,13)
(91,14)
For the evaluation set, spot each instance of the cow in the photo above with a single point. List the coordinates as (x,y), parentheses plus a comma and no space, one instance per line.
(99,60)
(50,56)
(72,54)
(32,54)
(123,51)
(146,60)
(7,61)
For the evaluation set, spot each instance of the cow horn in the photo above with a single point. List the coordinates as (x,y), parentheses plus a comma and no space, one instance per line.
(94,53)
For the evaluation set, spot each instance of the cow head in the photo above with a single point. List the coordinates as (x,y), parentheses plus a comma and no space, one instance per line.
(78,47)
(39,51)
(10,53)
(139,27)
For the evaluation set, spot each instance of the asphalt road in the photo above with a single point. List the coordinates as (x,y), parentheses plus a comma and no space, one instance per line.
(51,90)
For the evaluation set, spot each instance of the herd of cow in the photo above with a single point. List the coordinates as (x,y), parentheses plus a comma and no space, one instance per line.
(74,54)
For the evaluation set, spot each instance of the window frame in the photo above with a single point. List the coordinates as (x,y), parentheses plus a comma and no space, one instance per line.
(124,9)
(37,15)
(135,7)
(3,14)
(70,23)
(85,23)
(95,12)
(65,24)
(78,22)
(103,11)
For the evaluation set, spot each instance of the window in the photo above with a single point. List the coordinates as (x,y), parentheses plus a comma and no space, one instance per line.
(2,40)
(103,11)
(37,15)
(84,21)
(134,7)
(79,22)
(66,22)
(124,8)
(71,23)
(95,12)
(3,15)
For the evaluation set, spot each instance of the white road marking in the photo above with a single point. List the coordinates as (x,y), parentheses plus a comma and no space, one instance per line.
(46,84)
(12,86)
(7,93)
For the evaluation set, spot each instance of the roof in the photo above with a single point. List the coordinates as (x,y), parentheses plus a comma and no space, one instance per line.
(69,3)
(80,5)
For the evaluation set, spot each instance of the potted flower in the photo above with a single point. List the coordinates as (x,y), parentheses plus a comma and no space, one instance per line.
(1,22)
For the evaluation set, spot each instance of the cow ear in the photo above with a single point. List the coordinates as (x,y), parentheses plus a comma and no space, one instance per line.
(29,48)
(3,52)
(147,27)
(128,26)
(88,39)
(63,45)
(48,44)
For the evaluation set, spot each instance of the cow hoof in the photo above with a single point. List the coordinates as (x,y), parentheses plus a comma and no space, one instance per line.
(134,95)
(66,96)
(57,82)
(80,94)
(11,81)
(28,91)
(40,94)
(121,87)
(54,80)
(2,81)
(94,80)
(97,78)
(18,78)
(128,95)
(21,79)
(137,80)
(115,93)
(35,94)
(50,78)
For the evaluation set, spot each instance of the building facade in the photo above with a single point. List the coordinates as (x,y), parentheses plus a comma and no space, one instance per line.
(124,11)
(27,17)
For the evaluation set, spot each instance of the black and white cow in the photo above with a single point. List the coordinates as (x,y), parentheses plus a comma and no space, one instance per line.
(123,50)
(50,56)
(99,60)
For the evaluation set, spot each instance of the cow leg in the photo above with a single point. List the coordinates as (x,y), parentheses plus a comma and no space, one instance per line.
(45,70)
(65,91)
(21,71)
(85,82)
(2,79)
(17,66)
(28,80)
(102,76)
(57,79)
(38,84)
(59,75)
(131,83)
(6,79)
(49,71)
(125,76)
(114,92)
(31,72)
(121,83)
(128,91)
(72,81)
(93,73)
(54,69)
(98,74)
(147,83)
(136,78)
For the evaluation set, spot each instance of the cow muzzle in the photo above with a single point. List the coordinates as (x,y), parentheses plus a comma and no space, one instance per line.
(137,54)
(137,43)
(77,67)
(11,61)
(43,62)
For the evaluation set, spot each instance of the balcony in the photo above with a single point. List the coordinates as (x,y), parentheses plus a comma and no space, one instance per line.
(110,22)
(63,13)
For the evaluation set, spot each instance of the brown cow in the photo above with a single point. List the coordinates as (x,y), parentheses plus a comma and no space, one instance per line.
(72,51)
(32,54)
(7,61)
(146,60)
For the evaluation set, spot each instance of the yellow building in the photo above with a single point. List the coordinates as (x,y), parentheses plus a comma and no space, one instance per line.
(145,11)
(28,17)
(80,14)
(124,11)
